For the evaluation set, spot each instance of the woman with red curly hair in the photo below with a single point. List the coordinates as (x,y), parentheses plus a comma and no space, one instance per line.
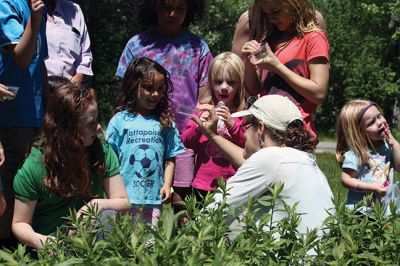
(69,168)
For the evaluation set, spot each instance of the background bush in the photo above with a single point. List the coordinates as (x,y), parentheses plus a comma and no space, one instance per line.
(364,38)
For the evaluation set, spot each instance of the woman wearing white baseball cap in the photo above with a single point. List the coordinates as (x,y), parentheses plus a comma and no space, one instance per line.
(277,149)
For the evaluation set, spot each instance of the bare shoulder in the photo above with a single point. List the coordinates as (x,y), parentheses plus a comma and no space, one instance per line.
(320,20)
(243,20)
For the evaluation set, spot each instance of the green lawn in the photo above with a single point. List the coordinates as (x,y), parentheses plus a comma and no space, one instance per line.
(328,164)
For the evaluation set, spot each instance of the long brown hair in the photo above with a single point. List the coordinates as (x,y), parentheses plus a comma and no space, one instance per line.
(140,72)
(303,15)
(68,162)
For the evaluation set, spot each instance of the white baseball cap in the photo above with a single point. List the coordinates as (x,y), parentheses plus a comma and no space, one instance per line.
(275,111)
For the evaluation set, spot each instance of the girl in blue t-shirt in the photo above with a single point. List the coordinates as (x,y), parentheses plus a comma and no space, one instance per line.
(143,134)
(366,150)
(167,40)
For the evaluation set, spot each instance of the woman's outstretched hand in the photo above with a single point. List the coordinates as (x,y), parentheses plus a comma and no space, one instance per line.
(207,120)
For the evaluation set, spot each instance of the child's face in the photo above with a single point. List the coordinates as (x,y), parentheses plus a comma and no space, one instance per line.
(278,15)
(374,123)
(150,94)
(171,14)
(225,88)
(88,126)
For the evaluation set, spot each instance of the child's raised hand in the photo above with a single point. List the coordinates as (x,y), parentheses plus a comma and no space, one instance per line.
(225,115)
(37,7)
(387,134)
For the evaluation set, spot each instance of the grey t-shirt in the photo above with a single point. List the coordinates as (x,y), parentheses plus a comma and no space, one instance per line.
(303,183)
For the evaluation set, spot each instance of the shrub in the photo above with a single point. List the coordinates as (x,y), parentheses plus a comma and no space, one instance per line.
(349,238)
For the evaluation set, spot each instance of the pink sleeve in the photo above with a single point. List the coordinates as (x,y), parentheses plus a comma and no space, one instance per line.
(317,46)
(237,132)
(191,135)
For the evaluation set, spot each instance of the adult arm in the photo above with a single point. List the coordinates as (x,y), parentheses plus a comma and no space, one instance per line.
(241,35)
(314,89)
(21,224)
(168,179)
(117,198)
(78,78)
(208,127)
(24,50)
(350,181)
(84,61)
(251,77)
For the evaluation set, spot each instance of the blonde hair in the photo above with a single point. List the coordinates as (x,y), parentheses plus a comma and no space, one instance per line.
(234,66)
(350,134)
(303,13)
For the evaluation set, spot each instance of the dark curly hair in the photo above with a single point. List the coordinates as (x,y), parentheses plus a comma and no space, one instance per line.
(140,72)
(146,11)
(68,162)
(295,137)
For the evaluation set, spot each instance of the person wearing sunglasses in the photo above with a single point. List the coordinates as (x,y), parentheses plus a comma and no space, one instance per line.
(277,150)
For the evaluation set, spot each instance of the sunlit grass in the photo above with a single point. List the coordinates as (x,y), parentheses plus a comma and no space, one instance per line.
(328,164)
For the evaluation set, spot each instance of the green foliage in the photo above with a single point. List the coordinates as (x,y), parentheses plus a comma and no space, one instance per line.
(348,237)
(219,22)
(364,58)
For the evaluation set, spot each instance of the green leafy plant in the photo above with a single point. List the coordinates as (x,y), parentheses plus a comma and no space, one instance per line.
(347,237)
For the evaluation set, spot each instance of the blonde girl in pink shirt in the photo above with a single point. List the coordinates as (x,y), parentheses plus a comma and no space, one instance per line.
(226,89)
